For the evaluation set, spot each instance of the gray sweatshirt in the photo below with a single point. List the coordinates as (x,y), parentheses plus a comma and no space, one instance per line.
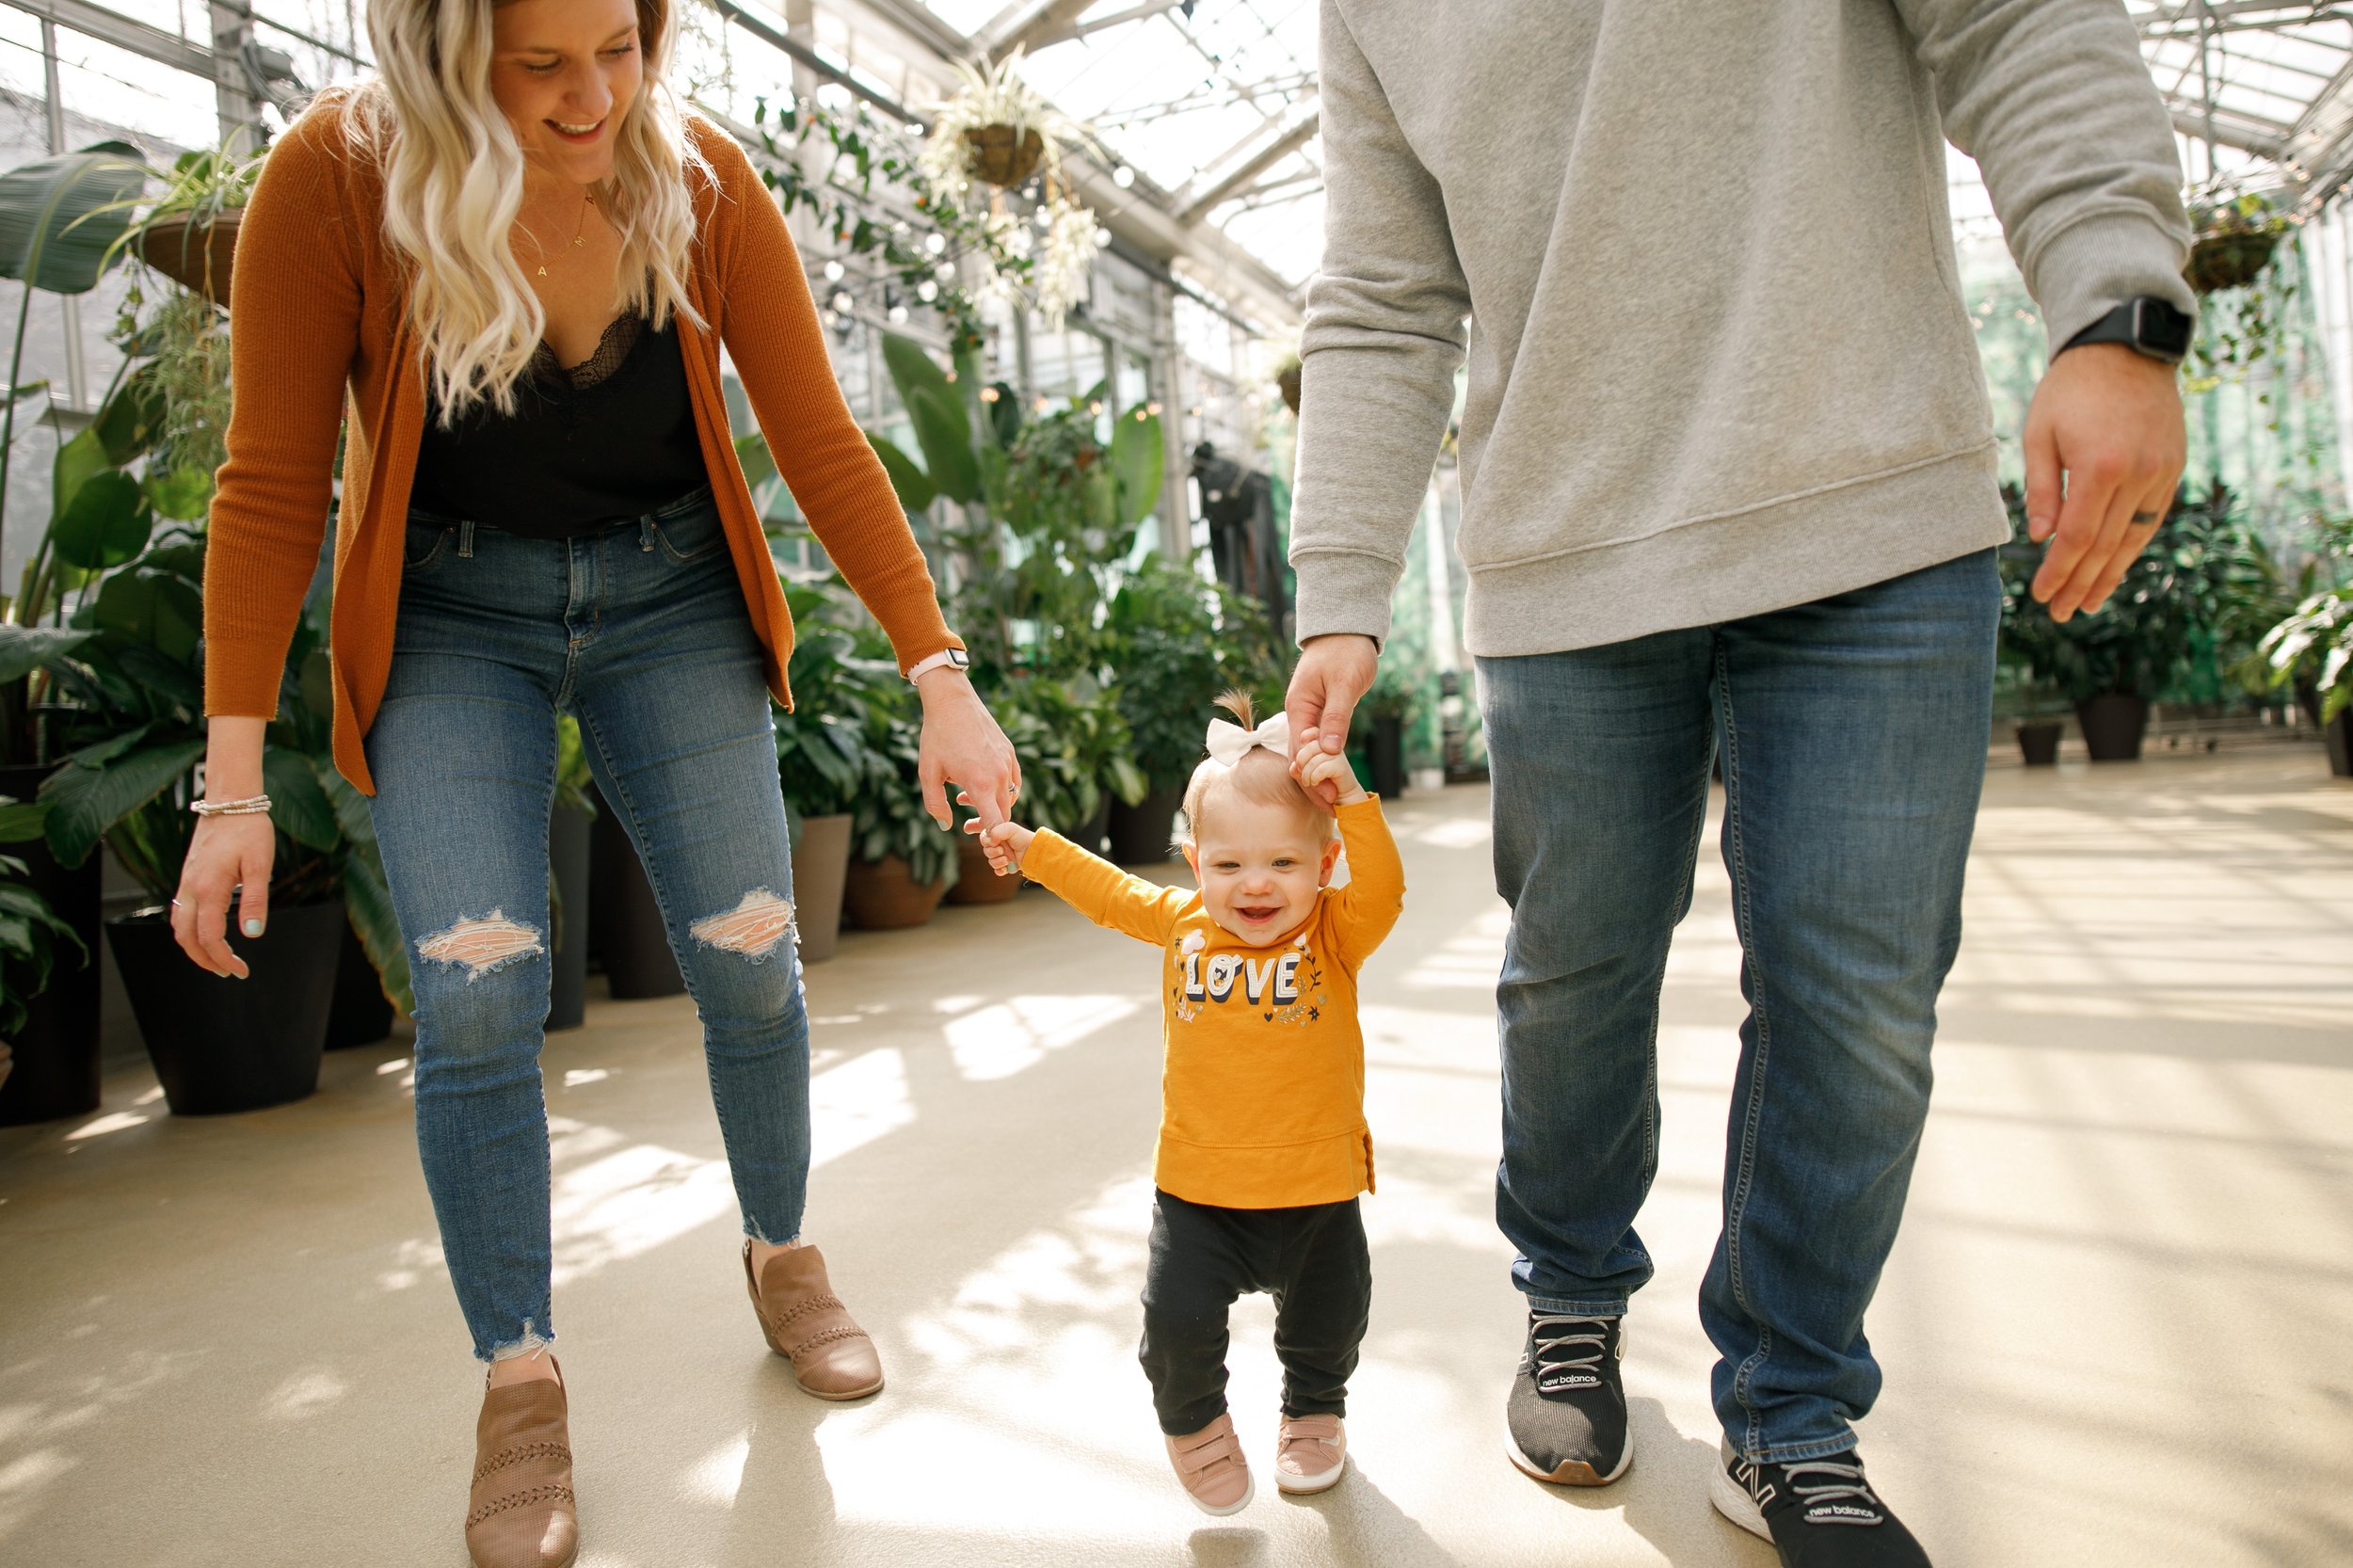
(1720,362)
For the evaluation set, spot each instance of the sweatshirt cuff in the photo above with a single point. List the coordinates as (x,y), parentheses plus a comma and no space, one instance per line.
(1344,591)
(2089,268)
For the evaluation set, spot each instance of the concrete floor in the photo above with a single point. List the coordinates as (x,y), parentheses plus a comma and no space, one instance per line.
(2116,1325)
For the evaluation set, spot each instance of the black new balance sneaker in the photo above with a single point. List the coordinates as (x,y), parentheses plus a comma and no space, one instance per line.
(1567,1411)
(1818,1512)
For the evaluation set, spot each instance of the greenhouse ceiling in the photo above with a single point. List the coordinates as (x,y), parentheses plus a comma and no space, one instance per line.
(1205,109)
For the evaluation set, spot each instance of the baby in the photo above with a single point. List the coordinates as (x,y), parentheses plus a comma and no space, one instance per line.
(1263,1146)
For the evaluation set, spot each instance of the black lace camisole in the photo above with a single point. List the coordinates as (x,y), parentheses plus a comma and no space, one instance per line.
(597,443)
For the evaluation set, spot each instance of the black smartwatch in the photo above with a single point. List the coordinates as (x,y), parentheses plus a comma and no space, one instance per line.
(2147,326)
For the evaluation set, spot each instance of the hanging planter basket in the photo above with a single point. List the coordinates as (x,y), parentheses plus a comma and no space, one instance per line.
(194,253)
(2231,260)
(1287,382)
(1003,157)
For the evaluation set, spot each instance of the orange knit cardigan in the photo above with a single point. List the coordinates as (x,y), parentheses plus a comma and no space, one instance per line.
(322,312)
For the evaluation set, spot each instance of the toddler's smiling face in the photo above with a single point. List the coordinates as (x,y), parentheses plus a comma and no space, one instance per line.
(1260,864)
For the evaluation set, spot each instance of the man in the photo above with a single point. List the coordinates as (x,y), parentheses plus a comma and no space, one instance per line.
(1728,489)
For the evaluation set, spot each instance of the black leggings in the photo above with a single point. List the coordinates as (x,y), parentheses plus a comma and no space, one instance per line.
(1311,1260)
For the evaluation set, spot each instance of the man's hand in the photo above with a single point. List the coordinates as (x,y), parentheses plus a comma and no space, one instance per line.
(2110,419)
(962,745)
(1334,672)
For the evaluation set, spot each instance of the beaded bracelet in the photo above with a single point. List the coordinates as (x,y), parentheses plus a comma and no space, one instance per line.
(252,806)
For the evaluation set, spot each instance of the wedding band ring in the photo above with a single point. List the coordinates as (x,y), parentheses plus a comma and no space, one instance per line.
(2145,517)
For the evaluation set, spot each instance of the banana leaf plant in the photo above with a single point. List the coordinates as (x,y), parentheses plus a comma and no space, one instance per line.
(1049,509)
(60,220)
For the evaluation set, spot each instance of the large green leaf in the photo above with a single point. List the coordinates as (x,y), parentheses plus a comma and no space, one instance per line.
(76,461)
(916,491)
(85,802)
(351,807)
(183,495)
(133,417)
(368,900)
(26,648)
(757,462)
(913,370)
(1004,414)
(297,805)
(106,522)
(152,609)
(21,821)
(1138,456)
(59,217)
(946,438)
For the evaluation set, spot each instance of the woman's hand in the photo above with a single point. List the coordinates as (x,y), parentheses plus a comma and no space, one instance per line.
(226,852)
(1006,844)
(963,745)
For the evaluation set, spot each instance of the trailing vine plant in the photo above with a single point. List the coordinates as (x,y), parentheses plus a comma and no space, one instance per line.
(844,200)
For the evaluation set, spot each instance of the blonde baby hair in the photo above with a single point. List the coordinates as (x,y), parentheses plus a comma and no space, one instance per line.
(1262,777)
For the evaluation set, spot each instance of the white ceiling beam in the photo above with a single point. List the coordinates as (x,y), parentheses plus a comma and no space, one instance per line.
(1306,121)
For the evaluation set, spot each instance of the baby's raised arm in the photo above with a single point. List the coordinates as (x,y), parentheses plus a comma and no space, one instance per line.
(1089,883)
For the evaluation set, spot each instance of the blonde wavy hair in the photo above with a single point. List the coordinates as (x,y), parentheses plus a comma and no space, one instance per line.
(453,185)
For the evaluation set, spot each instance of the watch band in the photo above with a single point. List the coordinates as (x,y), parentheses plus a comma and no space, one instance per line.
(949,657)
(2148,326)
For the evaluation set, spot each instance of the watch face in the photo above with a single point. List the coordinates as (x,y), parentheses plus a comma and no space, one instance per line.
(2162,329)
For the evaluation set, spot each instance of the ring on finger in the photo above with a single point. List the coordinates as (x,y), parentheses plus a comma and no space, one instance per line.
(2146,517)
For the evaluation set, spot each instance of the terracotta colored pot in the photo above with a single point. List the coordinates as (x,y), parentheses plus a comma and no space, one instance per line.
(975,882)
(196,257)
(820,864)
(1002,158)
(882,895)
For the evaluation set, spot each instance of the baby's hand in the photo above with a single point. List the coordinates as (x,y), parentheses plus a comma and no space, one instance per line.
(1326,773)
(1005,844)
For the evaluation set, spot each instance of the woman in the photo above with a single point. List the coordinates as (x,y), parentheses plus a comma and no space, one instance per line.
(523,260)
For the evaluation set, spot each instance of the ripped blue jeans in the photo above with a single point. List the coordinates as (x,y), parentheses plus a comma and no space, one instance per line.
(641,631)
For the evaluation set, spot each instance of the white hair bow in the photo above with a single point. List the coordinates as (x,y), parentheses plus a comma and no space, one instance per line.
(1230,743)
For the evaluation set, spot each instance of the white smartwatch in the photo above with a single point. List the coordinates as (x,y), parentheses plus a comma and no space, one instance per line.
(947,658)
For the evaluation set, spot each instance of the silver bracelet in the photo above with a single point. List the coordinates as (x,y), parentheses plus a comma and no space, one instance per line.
(252,806)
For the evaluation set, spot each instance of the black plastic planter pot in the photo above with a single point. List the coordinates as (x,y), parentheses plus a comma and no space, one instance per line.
(630,936)
(1141,832)
(1384,750)
(219,1044)
(360,1013)
(55,1071)
(2038,742)
(2338,732)
(2113,726)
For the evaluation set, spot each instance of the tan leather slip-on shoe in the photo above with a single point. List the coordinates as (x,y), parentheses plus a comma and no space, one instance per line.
(807,1324)
(520,1513)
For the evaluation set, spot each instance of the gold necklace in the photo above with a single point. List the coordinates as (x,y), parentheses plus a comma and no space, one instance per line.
(588,200)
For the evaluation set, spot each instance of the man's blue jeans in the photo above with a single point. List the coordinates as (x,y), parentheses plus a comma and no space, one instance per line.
(642,630)
(1852,733)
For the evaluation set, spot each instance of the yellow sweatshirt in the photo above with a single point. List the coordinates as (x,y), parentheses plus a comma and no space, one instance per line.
(1262,1093)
